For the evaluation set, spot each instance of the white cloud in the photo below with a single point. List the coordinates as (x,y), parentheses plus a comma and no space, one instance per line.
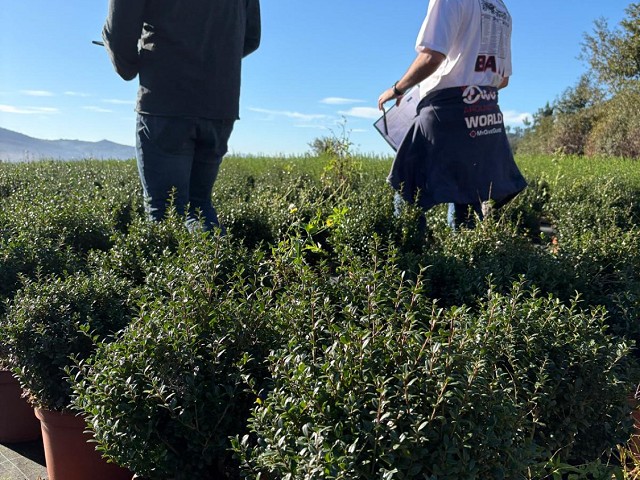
(513,118)
(28,110)
(362,112)
(311,126)
(92,108)
(305,117)
(37,93)
(339,101)
(114,101)
(77,94)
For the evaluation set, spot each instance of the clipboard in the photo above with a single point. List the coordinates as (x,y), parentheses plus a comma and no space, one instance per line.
(395,122)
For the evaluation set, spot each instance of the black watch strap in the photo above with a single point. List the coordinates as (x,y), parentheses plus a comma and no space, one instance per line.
(396,91)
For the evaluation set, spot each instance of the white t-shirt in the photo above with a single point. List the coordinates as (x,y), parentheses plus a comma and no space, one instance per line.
(475,37)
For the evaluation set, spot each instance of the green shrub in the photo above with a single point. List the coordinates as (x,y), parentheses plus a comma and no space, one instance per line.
(594,204)
(164,398)
(141,248)
(607,269)
(377,381)
(597,223)
(572,376)
(28,257)
(368,388)
(529,208)
(617,133)
(461,266)
(368,212)
(260,210)
(54,319)
(317,269)
(53,216)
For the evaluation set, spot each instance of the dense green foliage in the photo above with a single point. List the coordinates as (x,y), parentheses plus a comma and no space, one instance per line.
(52,320)
(614,55)
(599,116)
(180,377)
(325,336)
(399,388)
(53,214)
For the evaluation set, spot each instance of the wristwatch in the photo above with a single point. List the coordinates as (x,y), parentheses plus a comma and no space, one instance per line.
(396,91)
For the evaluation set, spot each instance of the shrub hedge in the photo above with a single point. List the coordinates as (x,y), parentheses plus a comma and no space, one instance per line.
(326,336)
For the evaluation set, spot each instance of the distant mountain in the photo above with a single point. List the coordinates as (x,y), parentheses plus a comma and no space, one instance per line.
(16,147)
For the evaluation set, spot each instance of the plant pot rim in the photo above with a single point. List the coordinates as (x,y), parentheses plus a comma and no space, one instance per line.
(64,418)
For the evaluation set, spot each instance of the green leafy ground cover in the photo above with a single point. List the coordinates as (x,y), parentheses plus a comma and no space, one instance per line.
(325,337)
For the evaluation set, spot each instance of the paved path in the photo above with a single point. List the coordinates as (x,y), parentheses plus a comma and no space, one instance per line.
(22,461)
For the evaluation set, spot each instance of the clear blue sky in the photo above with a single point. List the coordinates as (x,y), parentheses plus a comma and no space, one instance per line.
(320,61)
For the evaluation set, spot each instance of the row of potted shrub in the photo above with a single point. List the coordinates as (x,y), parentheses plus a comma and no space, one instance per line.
(360,373)
(53,216)
(346,348)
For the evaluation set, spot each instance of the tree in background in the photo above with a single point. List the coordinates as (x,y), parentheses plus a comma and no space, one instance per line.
(576,113)
(614,55)
(599,115)
(617,131)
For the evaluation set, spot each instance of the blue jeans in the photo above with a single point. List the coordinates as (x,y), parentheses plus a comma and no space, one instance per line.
(464,214)
(179,159)
(458,214)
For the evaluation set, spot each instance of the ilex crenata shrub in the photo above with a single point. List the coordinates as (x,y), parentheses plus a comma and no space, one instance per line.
(164,399)
(53,323)
(378,381)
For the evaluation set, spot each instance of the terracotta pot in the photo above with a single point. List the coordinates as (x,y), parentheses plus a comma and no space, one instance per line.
(68,455)
(17,421)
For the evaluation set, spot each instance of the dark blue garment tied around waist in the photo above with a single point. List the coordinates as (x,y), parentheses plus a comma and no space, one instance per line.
(456,151)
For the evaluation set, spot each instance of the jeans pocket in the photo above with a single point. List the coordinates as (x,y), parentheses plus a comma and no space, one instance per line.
(171,135)
(213,136)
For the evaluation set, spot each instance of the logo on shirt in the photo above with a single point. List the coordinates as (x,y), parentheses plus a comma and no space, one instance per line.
(473,94)
(484,120)
(486,62)
(482,115)
(486,131)
(492,9)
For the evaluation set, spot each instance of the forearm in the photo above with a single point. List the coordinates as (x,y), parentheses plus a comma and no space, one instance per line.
(425,64)
(121,33)
(422,67)
(253,33)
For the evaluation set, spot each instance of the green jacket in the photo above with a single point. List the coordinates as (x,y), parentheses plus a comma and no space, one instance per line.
(187,53)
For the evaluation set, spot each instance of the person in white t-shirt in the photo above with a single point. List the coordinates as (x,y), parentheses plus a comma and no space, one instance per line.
(457,151)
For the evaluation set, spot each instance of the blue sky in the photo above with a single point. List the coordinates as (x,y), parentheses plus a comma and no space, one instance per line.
(321,61)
